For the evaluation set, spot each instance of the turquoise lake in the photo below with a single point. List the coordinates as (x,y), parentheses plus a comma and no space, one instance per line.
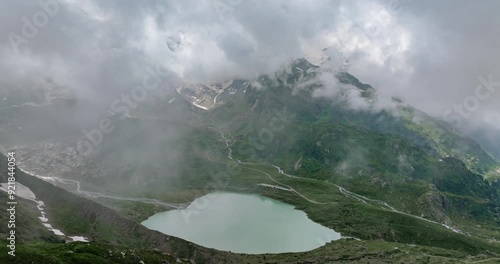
(243,223)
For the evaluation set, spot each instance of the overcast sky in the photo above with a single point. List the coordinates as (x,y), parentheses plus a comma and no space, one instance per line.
(430,53)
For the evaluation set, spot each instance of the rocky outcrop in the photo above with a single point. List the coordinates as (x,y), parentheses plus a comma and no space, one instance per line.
(435,205)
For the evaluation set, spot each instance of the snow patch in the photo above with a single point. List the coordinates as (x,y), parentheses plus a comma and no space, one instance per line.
(78,239)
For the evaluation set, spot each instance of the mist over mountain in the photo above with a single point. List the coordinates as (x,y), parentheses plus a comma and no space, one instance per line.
(408,49)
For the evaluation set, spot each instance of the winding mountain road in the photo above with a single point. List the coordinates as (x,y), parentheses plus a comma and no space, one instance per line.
(358,197)
(96,195)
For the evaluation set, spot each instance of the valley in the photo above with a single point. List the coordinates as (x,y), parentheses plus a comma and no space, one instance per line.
(250,132)
(374,185)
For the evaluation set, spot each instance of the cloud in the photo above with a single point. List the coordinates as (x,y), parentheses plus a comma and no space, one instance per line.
(428,53)
(435,55)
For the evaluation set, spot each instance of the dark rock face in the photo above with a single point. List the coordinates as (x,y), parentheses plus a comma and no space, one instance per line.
(435,204)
